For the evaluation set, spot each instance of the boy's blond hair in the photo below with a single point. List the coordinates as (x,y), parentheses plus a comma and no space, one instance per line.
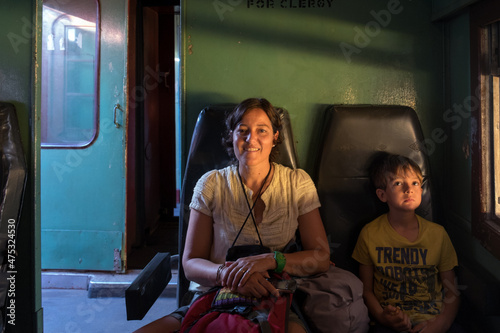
(387,165)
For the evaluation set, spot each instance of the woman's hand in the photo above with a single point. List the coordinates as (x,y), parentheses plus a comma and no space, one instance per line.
(238,273)
(257,286)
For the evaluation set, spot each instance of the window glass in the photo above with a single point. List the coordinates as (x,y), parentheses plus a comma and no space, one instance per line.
(491,70)
(494,72)
(69,73)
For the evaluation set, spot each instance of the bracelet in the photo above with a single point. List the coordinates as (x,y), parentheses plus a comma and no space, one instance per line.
(217,277)
(280,261)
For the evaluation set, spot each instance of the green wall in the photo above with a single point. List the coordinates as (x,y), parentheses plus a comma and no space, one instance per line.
(348,52)
(458,155)
(17,81)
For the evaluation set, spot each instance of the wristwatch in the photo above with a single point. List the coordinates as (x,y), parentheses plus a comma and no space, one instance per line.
(280,261)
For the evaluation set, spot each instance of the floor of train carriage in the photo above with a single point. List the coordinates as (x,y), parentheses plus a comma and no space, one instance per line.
(94,301)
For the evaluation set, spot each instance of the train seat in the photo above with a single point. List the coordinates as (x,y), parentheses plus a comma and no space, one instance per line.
(353,134)
(12,185)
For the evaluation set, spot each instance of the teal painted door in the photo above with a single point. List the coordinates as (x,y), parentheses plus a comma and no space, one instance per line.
(83,164)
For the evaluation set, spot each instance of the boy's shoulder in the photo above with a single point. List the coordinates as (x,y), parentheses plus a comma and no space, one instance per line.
(382,222)
(429,225)
(376,223)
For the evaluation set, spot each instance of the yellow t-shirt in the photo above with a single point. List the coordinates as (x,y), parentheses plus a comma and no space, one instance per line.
(406,274)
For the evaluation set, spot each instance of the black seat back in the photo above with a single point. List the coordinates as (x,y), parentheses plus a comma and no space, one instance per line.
(12,185)
(207,153)
(352,137)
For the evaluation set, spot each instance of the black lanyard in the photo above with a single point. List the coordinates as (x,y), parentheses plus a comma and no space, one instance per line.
(252,207)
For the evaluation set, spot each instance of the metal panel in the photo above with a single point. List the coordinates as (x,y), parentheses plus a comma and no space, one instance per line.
(77,249)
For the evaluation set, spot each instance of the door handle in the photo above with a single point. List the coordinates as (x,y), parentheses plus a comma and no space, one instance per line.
(163,76)
(117,107)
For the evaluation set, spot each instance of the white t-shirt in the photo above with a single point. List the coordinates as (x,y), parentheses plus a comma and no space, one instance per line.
(219,194)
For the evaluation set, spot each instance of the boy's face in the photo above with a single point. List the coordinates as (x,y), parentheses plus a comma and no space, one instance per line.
(403,192)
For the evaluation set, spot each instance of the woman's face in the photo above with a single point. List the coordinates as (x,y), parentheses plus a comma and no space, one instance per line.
(253,138)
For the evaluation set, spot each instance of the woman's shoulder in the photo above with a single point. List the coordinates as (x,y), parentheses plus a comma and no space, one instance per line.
(219,173)
(216,178)
(292,174)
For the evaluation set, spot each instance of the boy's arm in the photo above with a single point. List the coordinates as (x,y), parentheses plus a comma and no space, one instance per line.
(388,316)
(451,302)
(366,276)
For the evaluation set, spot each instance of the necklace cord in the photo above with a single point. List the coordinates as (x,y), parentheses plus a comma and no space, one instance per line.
(251,207)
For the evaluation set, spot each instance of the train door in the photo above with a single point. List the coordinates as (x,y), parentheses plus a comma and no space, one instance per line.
(83,134)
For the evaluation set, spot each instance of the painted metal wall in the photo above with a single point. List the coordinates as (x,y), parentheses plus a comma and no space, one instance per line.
(459,130)
(442,9)
(302,55)
(458,161)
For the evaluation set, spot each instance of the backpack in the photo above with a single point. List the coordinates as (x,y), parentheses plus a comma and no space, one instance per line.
(216,311)
(333,297)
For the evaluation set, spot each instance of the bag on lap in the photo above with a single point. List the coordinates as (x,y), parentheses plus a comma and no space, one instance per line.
(333,300)
(221,311)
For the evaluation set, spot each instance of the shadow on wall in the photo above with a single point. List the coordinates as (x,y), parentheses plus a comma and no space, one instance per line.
(381,31)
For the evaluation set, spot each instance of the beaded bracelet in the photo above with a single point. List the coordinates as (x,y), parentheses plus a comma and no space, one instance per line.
(217,277)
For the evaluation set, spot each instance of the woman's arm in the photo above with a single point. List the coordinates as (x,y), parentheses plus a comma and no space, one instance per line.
(371,301)
(315,257)
(196,257)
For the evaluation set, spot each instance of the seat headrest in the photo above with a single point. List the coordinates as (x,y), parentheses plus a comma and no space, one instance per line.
(357,132)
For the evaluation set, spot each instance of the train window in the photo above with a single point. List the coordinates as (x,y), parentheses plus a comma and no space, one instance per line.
(485,76)
(70,63)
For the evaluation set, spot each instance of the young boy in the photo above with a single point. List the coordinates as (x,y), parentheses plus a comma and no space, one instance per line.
(406,262)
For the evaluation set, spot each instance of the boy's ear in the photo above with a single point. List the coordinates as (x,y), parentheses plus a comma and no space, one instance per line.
(381,194)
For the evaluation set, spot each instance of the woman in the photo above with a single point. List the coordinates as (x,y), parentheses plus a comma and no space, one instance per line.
(281,200)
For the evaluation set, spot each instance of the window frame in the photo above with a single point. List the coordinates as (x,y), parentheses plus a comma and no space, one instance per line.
(485,222)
